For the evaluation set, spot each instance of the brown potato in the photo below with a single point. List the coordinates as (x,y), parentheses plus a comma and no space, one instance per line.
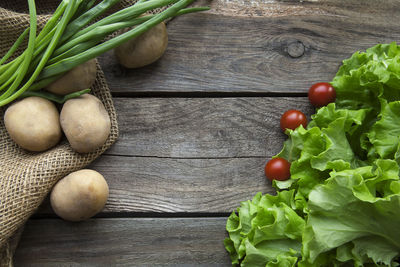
(33,123)
(144,49)
(79,78)
(80,195)
(85,123)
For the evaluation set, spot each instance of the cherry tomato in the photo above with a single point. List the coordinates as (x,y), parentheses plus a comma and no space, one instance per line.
(292,119)
(321,94)
(277,169)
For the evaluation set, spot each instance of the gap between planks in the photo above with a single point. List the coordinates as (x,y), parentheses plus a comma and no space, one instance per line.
(142,215)
(159,94)
(188,158)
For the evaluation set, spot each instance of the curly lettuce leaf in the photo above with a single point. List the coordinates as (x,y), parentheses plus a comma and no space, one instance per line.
(385,133)
(266,230)
(321,148)
(350,211)
(366,78)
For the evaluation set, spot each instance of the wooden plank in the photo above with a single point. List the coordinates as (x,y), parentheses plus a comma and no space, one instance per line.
(186,155)
(124,242)
(284,8)
(181,185)
(163,185)
(270,46)
(203,127)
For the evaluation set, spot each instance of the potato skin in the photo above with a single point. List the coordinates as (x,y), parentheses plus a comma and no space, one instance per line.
(80,195)
(144,49)
(85,123)
(79,78)
(33,123)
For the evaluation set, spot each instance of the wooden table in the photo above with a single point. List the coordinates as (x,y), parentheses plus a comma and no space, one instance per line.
(197,127)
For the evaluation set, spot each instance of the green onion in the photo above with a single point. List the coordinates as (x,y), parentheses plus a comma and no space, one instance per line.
(29,52)
(70,38)
(69,11)
(14,47)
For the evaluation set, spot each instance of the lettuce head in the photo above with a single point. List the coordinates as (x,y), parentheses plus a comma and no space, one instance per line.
(341,206)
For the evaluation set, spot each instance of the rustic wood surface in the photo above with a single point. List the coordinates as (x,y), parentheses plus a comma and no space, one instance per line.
(259,46)
(210,147)
(124,241)
(202,127)
(197,127)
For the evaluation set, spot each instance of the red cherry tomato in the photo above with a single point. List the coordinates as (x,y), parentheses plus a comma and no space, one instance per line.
(277,169)
(292,119)
(321,94)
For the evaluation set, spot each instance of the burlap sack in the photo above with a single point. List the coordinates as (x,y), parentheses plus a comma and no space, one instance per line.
(26,178)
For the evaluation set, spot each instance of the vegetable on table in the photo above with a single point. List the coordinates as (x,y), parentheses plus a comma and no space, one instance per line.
(321,94)
(85,122)
(144,49)
(72,37)
(80,195)
(33,123)
(341,205)
(292,119)
(277,169)
(77,79)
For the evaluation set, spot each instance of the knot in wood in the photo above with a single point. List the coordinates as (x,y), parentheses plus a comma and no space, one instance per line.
(295,49)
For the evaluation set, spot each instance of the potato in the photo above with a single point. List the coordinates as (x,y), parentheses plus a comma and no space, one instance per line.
(79,78)
(80,195)
(144,49)
(33,123)
(85,123)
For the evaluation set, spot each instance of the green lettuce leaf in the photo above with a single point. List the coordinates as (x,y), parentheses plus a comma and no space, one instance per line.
(365,78)
(266,230)
(385,133)
(321,148)
(348,209)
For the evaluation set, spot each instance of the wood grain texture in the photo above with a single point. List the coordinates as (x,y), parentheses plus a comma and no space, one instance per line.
(162,185)
(273,8)
(268,49)
(181,185)
(203,127)
(124,242)
(182,155)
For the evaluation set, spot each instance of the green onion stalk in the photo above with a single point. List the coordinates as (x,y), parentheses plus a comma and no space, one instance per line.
(70,38)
